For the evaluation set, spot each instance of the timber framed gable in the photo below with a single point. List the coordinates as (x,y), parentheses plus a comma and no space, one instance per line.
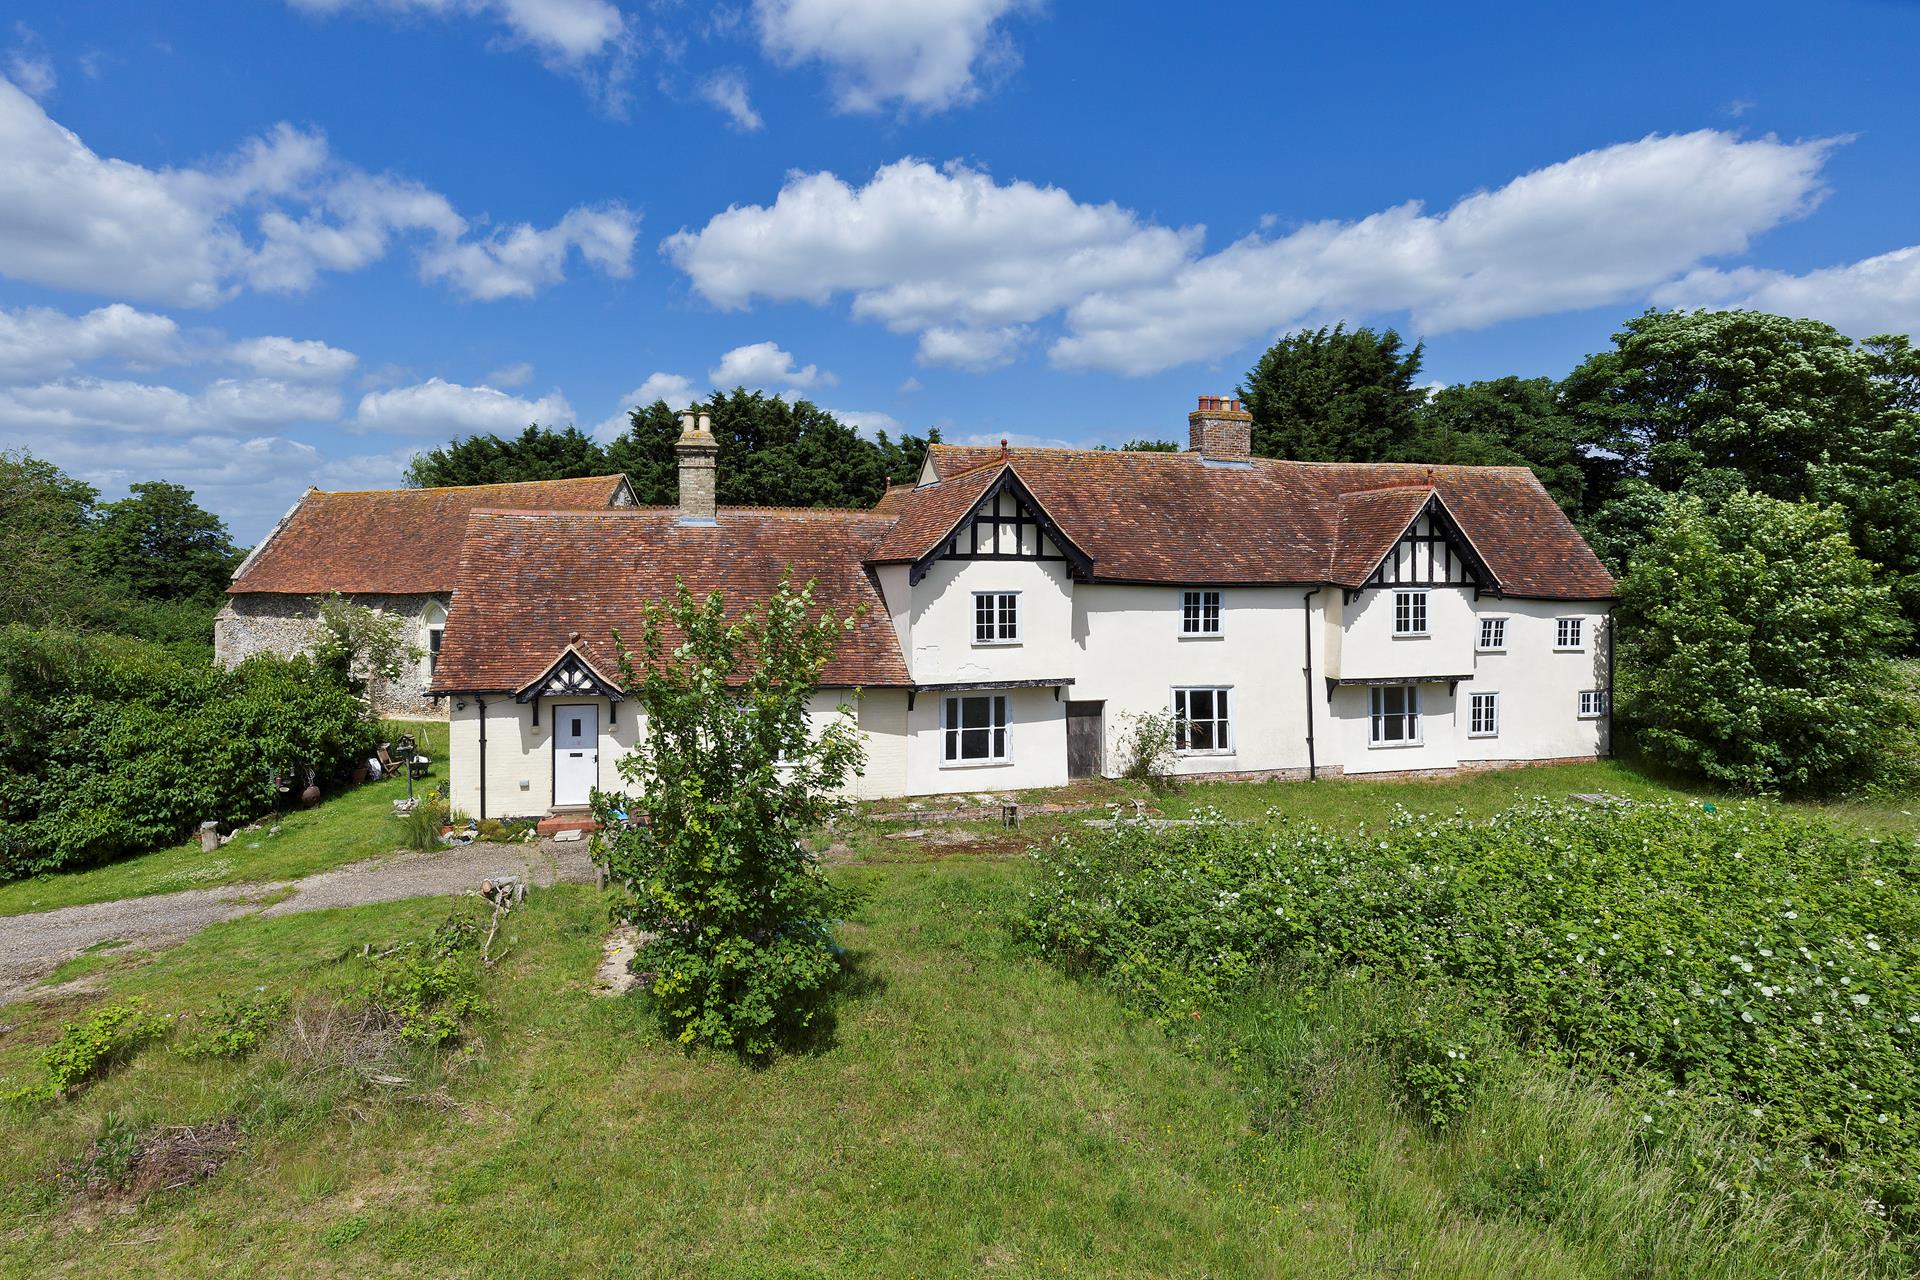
(571,676)
(1432,551)
(1006,523)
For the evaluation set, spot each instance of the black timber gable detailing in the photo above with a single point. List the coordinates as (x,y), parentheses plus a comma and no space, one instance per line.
(571,676)
(1431,552)
(1007,523)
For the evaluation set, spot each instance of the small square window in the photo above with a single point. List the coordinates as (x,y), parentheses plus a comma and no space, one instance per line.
(1199,613)
(1593,703)
(1483,715)
(1493,635)
(996,617)
(1395,719)
(1567,633)
(1201,723)
(1410,613)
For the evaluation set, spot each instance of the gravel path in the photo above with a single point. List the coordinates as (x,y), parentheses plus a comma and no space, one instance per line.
(35,944)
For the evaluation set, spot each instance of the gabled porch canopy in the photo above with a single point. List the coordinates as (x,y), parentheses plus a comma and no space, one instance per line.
(572,675)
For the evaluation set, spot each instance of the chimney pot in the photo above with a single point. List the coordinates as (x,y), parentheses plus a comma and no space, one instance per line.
(696,450)
(1220,430)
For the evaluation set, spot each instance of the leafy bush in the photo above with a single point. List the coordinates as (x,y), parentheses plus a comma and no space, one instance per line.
(88,1049)
(111,746)
(430,988)
(1146,748)
(734,776)
(1771,960)
(234,1025)
(1754,650)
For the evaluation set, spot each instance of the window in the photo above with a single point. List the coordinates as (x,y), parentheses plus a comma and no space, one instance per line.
(1567,633)
(1483,715)
(1200,721)
(1593,703)
(1409,613)
(434,635)
(1493,635)
(975,729)
(1199,613)
(996,617)
(1396,715)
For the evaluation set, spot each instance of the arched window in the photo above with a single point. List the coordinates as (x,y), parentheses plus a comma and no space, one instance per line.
(434,619)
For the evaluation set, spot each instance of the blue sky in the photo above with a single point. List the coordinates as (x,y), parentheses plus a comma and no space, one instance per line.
(256,246)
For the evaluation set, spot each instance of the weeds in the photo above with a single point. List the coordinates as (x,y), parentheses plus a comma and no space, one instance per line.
(234,1025)
(88,1049)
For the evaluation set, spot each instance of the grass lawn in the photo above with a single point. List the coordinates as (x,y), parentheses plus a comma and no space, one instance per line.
(345,828)
(974,1110)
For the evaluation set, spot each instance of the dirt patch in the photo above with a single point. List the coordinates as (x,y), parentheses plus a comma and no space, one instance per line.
(615,976)
(134,1164)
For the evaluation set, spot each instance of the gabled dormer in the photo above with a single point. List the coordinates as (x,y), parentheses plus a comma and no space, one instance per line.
(1429,550)
(1006,523)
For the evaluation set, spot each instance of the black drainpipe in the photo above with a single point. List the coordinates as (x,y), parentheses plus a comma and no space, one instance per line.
(1611,750)
(482,704)
(1306,603)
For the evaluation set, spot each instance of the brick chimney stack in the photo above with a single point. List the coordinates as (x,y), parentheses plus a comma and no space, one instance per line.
(1220,430)
(696,449)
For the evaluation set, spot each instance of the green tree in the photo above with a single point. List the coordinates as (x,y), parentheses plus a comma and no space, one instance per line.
(538,453)
(1754,649)
(44,521)
(159,544)
(772,453)
(1505,422)
(1329,395)
(732,777)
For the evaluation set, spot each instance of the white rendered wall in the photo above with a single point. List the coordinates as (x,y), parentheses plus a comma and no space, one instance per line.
(1349,730)
(942,647)
(1131,655)
(1539,687)
(520,753)
(1370,650)
(1037,738)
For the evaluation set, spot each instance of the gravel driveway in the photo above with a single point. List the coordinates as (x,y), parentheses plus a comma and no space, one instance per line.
(34,945)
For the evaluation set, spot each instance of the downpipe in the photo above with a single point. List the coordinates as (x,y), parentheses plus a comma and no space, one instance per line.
(1306,623)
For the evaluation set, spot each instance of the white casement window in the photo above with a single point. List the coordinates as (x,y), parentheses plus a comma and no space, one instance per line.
(996,617)
(1567,633)
(1396,716)
(1202,724)
(974,729)
(1493,635)
(1483,715)
(1593,703)
(1410,613)
(1199,613)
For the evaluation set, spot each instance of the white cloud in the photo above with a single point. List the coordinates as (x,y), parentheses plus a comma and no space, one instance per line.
(977,350)
(519,262)
(870,421)
(28,63)
(926,55)
(763,364)
(964,261)
(447,409)
(72,219)
(910,385)
(919,246)
(727,90)
(39,341)
(590,39)
(97,405)
(677,391)
(517,374)
(1876,295)
(295,359)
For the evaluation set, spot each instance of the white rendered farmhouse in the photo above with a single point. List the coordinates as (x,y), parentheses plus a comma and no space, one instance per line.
(1022,607)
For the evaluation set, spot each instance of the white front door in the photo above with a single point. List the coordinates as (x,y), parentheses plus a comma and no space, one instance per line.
(576,754)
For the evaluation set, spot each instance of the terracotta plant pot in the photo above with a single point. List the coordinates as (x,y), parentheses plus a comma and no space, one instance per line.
(359,775)
(311,796)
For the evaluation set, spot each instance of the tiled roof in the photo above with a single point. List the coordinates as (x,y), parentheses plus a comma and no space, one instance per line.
(926,516)
(529,580)
(394,541)
(1169,517)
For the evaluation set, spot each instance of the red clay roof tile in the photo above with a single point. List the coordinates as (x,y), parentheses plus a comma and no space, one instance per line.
(394,541)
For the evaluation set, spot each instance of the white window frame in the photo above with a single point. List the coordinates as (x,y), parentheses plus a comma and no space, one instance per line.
(1006,608)
(1473,699)
(1560,626)
(999,722)
(1199,596)
(1412,717)
(1592,704)
(1482,645)
(1417,604)
(1180,698)
(433,620)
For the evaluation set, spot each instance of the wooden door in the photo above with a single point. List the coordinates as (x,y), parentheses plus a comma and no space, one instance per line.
(1085,738)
